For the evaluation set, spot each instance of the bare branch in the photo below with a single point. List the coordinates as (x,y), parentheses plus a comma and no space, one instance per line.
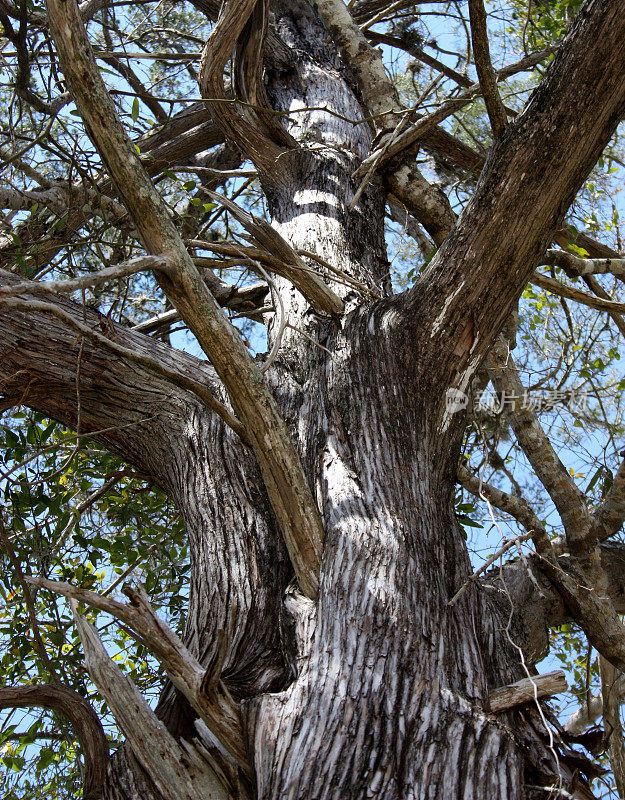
(552,144)
(83,720)
(585,591)
(590,711)
(251,126)
(507,545)
(152,744)
(561,289)
(217,709)
(484,67)
(130,267)
(567,497)
(527,690)
(517,507)
(253,402)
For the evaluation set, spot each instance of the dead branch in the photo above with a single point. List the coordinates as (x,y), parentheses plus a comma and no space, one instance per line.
(217,709)
(152,744)
(526,691)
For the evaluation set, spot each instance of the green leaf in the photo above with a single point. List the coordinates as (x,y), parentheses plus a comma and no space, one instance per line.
(594,479)
(135,109)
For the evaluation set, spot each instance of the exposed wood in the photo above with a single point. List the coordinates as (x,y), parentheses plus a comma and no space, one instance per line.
(526,691)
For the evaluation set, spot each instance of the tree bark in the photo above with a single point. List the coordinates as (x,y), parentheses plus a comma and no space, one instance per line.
(379,689)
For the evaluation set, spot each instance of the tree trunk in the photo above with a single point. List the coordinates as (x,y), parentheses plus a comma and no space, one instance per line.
(386,687)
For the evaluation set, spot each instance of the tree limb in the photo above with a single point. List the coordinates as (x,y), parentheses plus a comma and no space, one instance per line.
(154,747)
(567,497)
(217,709)
(253,402)
(83,720)
(532,175)
(517,507)
(484,67)
(561,289)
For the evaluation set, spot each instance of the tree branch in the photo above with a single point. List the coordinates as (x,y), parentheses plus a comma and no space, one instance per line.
(567,497)
(217,709)
(484,67)
(254,404)
(517,507)
(575,265)
(532,175)
(38,362)
(157,751)
(145,361)
(562,290)
(609,517)
(83,720)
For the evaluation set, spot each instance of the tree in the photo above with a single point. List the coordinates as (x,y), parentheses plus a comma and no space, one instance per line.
(334,642)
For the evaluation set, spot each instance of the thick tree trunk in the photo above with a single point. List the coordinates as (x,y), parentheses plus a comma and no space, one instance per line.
(389,702)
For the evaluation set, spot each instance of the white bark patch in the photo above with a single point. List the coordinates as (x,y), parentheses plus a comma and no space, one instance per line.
(442,315)
(304,197)
(461,384)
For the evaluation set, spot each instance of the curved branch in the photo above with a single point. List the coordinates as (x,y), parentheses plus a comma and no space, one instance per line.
(250,125)
(517,507)
(83,720)
(137,404)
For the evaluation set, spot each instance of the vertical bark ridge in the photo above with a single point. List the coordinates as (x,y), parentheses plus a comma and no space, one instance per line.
(390,698)
(240,567)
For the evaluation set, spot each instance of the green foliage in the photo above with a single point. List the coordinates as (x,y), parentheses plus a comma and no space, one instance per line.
(129,531)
